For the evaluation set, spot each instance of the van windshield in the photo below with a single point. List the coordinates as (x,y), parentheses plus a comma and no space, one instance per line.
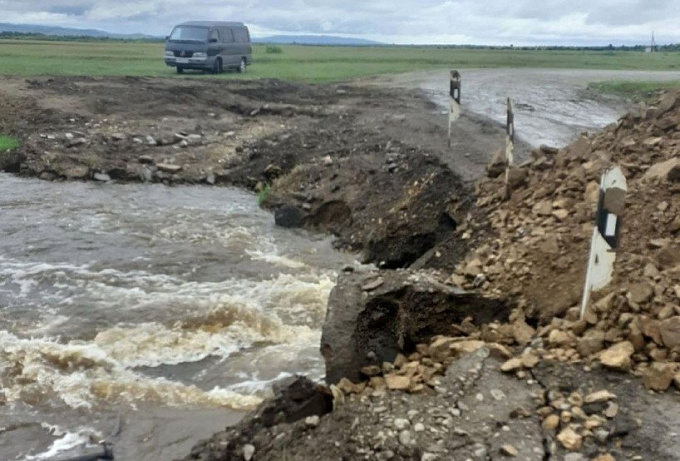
(189,34)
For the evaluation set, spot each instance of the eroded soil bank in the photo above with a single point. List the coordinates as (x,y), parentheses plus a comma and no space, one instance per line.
(368,165)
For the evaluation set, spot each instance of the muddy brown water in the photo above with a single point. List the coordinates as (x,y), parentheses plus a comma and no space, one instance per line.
(130,312)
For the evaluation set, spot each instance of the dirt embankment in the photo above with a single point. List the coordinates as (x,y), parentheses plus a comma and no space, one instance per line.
(368,165)
(544,384)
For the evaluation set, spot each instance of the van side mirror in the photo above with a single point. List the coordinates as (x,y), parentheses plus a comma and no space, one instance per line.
(212,40)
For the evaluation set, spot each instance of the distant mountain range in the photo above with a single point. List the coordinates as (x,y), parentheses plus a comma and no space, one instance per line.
(66,31)
(315,40)
(274,39)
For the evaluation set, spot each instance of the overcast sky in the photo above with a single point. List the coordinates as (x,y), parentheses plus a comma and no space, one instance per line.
(503,22)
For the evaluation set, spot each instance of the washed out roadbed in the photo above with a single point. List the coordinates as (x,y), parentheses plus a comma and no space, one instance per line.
(366,164)
(438,373)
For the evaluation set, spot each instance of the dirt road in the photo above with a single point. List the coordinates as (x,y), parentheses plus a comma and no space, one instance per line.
(551,106)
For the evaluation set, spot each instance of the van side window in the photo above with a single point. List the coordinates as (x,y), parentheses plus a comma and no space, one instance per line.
(241,35)
(227,36)
(215,34)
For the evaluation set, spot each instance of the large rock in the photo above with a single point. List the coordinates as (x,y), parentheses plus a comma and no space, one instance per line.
(659,376)
(617,357)
(368,323)
(670,332)
(668,170)
(10,161)
(289,216)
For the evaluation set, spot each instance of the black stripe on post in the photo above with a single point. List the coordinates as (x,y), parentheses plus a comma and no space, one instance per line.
(455,86)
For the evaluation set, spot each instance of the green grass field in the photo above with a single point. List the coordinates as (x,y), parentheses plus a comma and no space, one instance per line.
(306,63)
(640,90)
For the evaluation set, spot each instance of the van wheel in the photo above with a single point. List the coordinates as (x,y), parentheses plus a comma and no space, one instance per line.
(242,66)
(217,68)
(180,70)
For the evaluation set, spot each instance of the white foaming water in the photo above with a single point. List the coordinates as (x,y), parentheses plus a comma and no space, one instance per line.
(66,441)
(115,297)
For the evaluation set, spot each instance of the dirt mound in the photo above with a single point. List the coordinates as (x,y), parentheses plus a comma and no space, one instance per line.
(537,251)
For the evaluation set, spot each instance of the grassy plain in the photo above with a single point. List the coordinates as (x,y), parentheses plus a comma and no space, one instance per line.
(307,63)
(639,90)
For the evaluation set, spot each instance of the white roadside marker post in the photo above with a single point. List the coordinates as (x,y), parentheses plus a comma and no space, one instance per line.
(606,234)
(509,146)
(454,104)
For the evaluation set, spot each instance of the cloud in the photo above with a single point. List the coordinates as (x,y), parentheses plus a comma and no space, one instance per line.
(399,21)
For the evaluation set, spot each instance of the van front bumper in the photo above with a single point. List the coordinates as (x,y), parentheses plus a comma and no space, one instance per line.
(189,63)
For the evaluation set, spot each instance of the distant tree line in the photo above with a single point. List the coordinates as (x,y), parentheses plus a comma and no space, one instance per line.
(665,48)
(71,38)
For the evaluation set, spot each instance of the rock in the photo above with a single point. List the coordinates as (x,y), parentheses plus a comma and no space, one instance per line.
(509,450)
(397,383)
(151,141)
(248,452)
(561,214)
(658,376)
(369,328)
(102,177)
(599,396)
(400,424)
(210,179)
(145,159)
(77,172)
(473,268)
(591,343)
(668,256)
(11,161)
(440,348)
(373,284)
(371,370)
(513,364)
(670,332)
(605,457)
(530,359)
(570,439)
(651,271)
(522,332)
(543,208)
(169,168)
(640,293)
(312,421)
(497,165)
(617,357)
(551,423)
(550,245)
(559,338)
(667,170)
(288,216)
(517,177)
(575,457)
(579,150)
(405,438)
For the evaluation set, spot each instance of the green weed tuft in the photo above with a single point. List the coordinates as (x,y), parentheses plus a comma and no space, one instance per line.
(263,194)
(8,143)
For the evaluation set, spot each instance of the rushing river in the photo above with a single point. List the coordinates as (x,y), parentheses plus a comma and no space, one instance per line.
(128,307)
